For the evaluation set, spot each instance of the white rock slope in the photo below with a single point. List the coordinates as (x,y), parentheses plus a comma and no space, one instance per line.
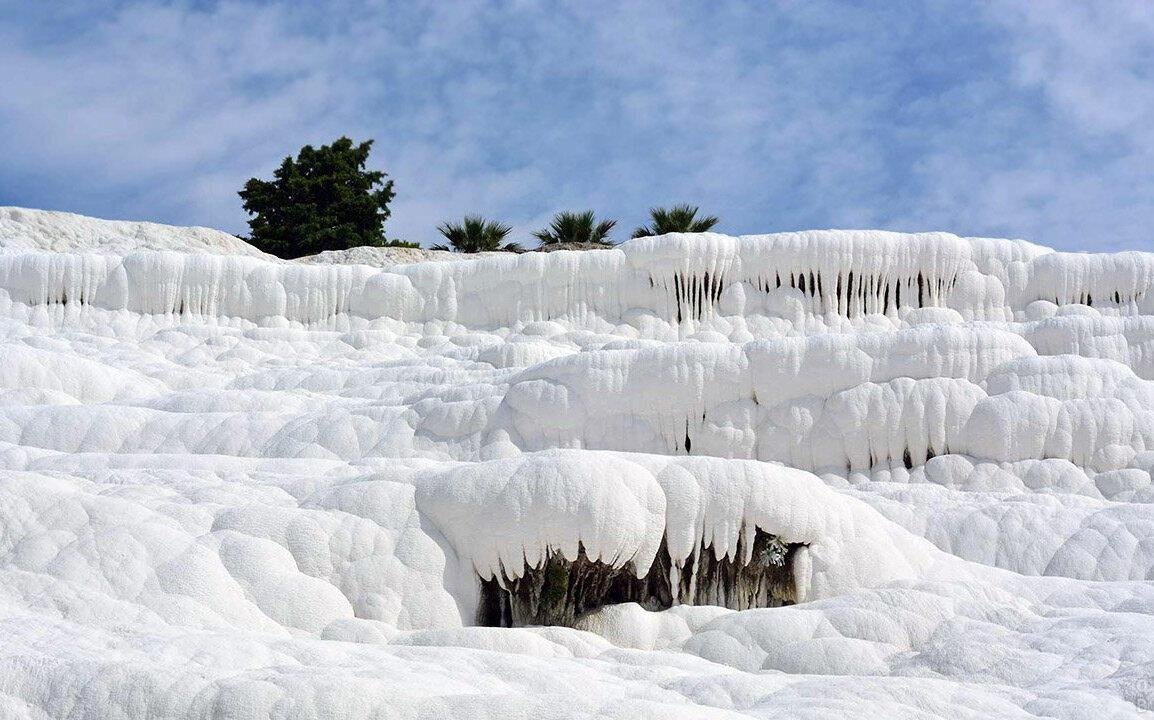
(238,487)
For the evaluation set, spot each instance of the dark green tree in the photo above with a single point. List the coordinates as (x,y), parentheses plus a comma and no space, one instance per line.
(476,234)
(574,227)
(325,199)
(677,219)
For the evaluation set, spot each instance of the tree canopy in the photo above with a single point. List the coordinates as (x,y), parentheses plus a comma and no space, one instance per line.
(677,219)
(324,199)
(576,227)
(476,234)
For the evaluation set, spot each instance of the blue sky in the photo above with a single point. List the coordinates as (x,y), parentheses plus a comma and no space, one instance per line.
(1030,119)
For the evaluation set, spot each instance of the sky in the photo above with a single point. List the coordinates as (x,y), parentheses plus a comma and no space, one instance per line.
(1030,119)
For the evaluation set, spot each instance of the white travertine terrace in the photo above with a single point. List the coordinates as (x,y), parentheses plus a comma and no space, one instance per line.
(234,486)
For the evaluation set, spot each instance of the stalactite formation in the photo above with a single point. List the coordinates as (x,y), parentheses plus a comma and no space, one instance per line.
(852,294)
(559,591)
(847,294)
(694,295)
(238,486)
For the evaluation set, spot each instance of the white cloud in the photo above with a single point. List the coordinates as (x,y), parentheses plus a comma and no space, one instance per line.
(1071,166)
(1030,121)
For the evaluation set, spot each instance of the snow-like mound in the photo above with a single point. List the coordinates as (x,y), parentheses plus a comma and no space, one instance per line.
(821,474)
(386,256)
(23,230)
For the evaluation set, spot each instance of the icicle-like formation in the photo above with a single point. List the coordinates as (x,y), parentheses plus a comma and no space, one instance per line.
(560,591)
(842,402)
(561,531)
(854,274)
(233,485)
(1121,281)
(675,283)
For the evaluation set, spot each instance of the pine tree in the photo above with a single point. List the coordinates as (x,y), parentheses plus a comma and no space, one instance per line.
(324,199)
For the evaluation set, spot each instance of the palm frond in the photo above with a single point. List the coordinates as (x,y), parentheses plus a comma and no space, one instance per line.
(600,233)
(475,234)
(677,219)
(576,227)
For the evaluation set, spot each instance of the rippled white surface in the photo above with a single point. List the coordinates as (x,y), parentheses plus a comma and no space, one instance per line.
(241,488)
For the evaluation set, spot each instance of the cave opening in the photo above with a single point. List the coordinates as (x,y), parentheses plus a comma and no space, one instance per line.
(559,591)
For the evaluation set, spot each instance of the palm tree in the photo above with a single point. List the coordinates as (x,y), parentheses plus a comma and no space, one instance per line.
(476,234)
(677,219)
(574,227)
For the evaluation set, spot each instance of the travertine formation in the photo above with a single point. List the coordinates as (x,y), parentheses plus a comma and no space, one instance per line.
(241,487)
